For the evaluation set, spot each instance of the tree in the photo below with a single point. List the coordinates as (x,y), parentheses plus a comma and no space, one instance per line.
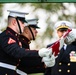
(54,12)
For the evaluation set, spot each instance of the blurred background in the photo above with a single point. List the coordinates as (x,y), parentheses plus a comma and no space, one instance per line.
(47,13)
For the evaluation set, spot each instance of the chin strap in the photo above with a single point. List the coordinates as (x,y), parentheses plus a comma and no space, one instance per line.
(31,32)
(18,25)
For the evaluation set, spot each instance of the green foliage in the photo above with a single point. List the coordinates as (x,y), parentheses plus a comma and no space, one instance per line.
(51,9)
(1,9)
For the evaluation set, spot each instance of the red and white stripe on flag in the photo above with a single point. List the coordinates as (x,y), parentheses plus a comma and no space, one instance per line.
(56,45)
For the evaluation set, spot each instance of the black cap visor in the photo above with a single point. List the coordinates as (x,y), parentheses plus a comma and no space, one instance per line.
(34,26)
(62,29)
(22,19)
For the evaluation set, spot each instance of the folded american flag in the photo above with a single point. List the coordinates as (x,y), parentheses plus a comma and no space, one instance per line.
(56,46)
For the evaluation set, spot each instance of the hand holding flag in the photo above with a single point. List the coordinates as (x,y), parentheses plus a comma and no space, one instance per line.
(59,43)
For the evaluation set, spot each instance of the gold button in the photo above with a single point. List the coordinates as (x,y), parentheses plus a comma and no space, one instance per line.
(29,42)
(60,63)
(17,38)
(23,38)
(59,70)
(17,64)
(19,60)
(68,64)
(68,71)
(15,34)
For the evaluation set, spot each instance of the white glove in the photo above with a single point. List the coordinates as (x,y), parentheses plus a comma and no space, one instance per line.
(45,52)
(49,61)
(70,38)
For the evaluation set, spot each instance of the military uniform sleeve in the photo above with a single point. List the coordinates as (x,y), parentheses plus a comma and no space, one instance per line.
(12,48)
(31,65)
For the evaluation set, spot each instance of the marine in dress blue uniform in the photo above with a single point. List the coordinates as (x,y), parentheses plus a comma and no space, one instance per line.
(10,51)
(33,64)
(66,60)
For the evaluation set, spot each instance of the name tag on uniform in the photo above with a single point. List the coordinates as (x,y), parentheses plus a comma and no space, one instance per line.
(72,56)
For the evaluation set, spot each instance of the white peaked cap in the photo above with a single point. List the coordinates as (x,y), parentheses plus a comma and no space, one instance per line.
(16,13)
(63,24)
(33,23)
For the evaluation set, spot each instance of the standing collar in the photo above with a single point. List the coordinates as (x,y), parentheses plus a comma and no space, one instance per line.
(25,39)
(9,30)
